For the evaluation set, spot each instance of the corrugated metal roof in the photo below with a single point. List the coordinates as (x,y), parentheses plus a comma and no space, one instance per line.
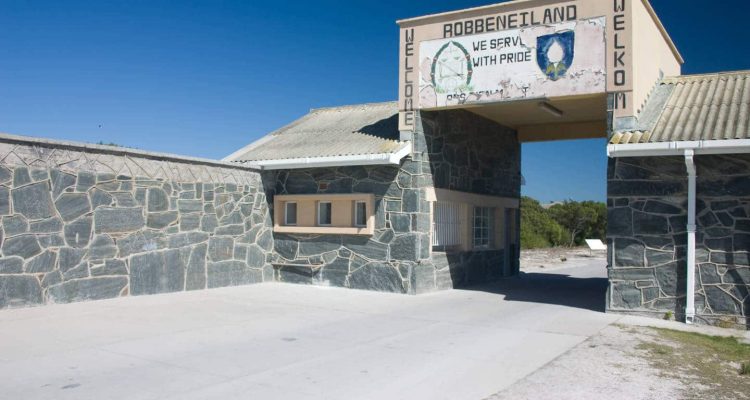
(338,131)
(697,107)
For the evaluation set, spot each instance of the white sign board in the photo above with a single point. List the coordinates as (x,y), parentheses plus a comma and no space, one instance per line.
(535,62)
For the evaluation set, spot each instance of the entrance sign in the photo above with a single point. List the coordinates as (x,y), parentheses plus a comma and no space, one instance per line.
(559,60)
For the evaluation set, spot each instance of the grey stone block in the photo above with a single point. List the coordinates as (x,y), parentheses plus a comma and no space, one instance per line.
(299,274)
(255,256)
(318,245)
(33,201)
(118,220)
(85,181)
(404,248)
(377,276)
(61,181)
(49,225)
(15,225)
(102,247)
(21,176)
(4,200)
(69,258)
(52,278)
(649,224)
(625,296)
(195,278)
(286,247)
(158,200)
(401,223)
(158,272)
(669,280)
(19,290)
(24,246)
(11,265)
(5,175)
(189,222)
(369,249)
(44,262)
(220,248)
(188,206)
(629,253)
(79,271)
(232,273)
(721,302)
(209,222)
(87,289)
(141,242)
(72,205)
(709,274)
(100,198)
(187,239)
(265,240)
(110,267)
(125,199)
(230,230)
(161,220)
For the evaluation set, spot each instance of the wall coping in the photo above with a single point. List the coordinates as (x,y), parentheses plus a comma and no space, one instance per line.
(120,151)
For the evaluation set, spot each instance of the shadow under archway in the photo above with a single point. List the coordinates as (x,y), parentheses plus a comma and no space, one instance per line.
(587,293)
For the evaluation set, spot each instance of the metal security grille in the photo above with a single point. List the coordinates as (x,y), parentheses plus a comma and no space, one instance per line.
(446,225)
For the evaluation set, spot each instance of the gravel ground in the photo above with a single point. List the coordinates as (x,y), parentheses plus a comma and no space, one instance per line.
(607,366)
(619,362)
(550,259)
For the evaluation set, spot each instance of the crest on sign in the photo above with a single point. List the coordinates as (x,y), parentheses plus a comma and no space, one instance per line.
(554,53)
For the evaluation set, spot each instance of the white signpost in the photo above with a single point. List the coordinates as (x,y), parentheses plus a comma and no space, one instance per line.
(537,62)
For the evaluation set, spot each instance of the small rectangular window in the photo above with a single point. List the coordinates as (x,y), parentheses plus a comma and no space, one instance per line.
(360,213)
(324,213)
(290,213)
(482,227)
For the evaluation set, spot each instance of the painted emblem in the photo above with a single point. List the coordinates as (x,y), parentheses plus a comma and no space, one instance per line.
(554,53)
(451,69)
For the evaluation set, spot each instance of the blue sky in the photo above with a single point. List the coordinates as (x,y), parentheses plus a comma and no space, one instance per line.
(203,78)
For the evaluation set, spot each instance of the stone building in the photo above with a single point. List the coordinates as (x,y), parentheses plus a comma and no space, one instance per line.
(420,194)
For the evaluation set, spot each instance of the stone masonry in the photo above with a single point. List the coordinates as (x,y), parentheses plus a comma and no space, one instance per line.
(647,217)
(453,150)
(94,222)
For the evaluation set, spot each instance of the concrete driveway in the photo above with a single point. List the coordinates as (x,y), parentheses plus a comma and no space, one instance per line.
(276,341)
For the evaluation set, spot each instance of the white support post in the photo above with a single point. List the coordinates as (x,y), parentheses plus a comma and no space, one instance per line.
(691,228)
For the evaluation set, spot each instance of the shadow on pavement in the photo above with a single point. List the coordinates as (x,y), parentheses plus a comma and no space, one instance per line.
(550,288)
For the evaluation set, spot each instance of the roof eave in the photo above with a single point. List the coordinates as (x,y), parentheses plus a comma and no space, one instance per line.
(678,148)
(337,161)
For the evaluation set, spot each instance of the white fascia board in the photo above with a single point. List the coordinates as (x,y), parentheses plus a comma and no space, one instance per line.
(677,148)
(337,161)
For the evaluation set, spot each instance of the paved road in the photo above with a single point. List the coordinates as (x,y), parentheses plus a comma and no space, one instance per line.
(276,341)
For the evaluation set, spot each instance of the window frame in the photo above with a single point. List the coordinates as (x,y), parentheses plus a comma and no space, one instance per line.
(318,213)
(286,213)
(357,215)
(483,241)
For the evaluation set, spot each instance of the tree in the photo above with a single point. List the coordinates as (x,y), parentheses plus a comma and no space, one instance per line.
(538,229)
(580,219)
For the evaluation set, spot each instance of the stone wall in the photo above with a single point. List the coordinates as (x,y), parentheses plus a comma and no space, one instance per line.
(647,201)
(453,150)
(93,222)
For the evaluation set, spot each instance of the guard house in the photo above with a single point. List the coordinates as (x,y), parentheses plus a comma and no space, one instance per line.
(423,194)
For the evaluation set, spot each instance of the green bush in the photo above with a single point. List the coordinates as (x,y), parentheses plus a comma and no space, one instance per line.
(566,224)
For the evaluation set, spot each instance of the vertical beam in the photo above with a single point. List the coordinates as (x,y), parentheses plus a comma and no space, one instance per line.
(691,228)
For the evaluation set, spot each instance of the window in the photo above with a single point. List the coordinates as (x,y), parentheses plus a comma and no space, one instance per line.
(330,214)
(446,225)
(290,213)
(482,227)
(324,213)
(360,213)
